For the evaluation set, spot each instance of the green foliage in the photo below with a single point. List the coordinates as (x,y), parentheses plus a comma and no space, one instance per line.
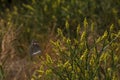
(80,53)
(55,13)
(39,16)
(83,57)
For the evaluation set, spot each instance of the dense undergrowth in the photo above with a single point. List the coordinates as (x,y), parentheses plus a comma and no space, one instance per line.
(79,39)
(86,57)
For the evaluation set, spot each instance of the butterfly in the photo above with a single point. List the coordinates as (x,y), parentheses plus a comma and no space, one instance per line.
(34,48)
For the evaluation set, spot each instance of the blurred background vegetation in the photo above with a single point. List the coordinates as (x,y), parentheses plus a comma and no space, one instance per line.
(39,20)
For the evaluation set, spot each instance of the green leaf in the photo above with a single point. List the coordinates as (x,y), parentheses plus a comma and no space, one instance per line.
(111,28)
(66,64)
(49,60)
(83,36)
(28,7)
(105,35)
(85,23)
(67,24)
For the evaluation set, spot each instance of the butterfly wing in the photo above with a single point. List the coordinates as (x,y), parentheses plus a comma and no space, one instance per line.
(35,49)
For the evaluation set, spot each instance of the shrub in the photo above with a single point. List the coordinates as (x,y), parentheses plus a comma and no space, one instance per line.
(50,12)
(86,57)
